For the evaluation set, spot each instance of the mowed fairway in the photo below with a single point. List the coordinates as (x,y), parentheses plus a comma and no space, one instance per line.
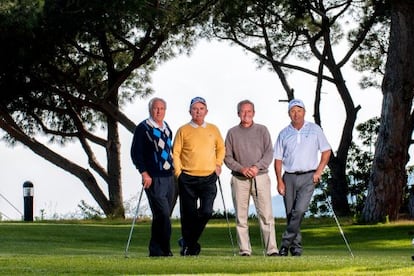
(98,248)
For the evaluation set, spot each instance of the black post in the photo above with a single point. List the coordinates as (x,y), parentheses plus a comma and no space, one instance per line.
(28,200)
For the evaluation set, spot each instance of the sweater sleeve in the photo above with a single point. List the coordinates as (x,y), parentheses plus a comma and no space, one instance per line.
(264,162)
(177,148)
(229,159)
(137,148)
(220,148)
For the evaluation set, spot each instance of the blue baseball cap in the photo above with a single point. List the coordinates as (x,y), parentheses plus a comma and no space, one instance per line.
(296,102)
(198,100)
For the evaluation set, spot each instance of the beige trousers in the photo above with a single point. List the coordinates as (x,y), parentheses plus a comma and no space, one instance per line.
(259,189)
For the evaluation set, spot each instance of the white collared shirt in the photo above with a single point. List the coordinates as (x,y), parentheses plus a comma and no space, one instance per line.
(194,125)
(163,127)
(298,149)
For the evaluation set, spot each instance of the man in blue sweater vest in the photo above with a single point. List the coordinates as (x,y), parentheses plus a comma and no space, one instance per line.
(151,153)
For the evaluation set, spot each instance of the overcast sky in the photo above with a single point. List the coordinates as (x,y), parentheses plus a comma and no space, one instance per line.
(223,75)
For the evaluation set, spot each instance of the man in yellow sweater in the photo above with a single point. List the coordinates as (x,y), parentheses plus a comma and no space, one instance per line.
(198,153)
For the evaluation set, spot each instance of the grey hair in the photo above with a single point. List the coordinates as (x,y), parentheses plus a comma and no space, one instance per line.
(239,105)
(153,100)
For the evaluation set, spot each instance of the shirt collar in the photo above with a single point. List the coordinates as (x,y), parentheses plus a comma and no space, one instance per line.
(242,126)
(194,125)
(162,127)
(304,125)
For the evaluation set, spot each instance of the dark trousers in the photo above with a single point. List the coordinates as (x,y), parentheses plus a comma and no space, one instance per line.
(299,190)
(197,194)
(160,197)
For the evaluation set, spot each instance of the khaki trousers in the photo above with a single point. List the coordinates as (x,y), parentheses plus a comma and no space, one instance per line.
(259,189)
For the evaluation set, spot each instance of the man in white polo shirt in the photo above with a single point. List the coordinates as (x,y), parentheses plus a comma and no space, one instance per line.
(296,150)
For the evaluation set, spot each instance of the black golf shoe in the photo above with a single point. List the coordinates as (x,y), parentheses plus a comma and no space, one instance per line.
(187,250)
(296,252)
(283,251)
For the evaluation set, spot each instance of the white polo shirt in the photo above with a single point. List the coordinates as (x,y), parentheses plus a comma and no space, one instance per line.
(298,149)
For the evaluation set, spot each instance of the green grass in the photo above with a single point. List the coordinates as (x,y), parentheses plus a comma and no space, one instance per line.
(98,248)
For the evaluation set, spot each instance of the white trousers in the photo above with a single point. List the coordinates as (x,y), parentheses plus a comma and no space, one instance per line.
(259,188)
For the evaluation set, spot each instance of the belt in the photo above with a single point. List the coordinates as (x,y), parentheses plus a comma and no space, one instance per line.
(301,172)
(237,174)
(234,173)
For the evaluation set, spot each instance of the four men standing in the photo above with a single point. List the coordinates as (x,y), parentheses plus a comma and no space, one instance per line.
(196,157)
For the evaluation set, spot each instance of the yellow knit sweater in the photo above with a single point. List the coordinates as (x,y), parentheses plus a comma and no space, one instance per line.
(197,150)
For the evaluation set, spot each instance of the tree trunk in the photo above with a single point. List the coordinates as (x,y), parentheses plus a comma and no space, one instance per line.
(114,168)
(388,175)
(338,184)
(338,187)
(114,171)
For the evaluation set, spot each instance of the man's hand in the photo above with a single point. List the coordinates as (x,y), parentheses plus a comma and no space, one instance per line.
(146,180)
(250,172)
(281,187)
(316,178)
(218,170)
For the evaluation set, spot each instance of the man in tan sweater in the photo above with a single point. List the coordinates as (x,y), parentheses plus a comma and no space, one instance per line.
(249,153)
(198,153)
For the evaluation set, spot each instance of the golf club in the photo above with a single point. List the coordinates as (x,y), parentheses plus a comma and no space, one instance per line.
(339,225)
(133,223)
(258,219)
(226,215)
